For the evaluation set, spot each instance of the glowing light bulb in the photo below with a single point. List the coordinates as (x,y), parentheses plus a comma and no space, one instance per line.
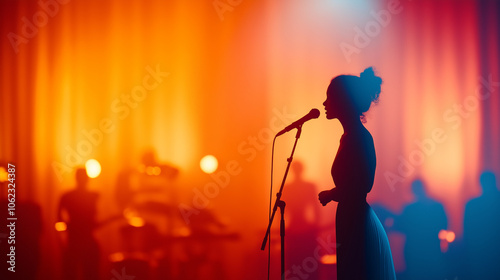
(450,236)
(136,222)
(61,226)
(209,164)
(329,259)
(156,170)
(3,175)
(117,257)
(442,234)
(93,168)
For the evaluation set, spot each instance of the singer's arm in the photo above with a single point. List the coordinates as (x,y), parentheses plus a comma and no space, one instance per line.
(334,194)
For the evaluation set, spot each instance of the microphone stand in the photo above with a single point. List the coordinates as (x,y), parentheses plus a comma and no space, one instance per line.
(281,204)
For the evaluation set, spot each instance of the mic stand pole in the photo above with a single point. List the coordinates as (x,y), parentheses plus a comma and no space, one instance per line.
(281,204)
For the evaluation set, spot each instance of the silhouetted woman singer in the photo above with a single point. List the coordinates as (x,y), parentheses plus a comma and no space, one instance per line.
(363,248)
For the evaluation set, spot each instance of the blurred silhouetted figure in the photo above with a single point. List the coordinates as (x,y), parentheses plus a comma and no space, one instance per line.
(363,251)
(302,214)
(482,231)
(124,193)
(421,222)
(81,255)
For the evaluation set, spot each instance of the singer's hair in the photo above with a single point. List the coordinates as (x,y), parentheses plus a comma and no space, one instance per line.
(360,91)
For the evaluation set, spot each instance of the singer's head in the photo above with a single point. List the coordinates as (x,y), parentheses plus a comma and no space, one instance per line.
(351,96)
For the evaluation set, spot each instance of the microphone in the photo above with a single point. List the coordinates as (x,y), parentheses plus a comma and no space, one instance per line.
(313,114)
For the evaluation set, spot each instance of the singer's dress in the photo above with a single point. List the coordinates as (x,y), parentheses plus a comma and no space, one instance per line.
(363,248)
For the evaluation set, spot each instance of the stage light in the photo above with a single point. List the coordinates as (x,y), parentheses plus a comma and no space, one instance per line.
(116,257)
(446,235)
(183,232)
(329,259)
(93,168)
(61,226)
(133,218)
(3,175)
(136,222)
(156,170)
(209,164)
(442,234)
(450,236)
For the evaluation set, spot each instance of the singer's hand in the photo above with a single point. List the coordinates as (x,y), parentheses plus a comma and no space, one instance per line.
(325,197)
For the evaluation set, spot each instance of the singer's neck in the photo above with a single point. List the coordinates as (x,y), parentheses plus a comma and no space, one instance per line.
(351,124)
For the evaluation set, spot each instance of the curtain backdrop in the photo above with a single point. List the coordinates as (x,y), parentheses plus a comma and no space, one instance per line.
(109,79)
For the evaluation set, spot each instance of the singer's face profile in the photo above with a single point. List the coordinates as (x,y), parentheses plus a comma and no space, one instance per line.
(337,103)
(328,106)
(331,102)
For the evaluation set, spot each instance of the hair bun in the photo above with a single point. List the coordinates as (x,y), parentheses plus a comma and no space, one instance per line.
(371,83)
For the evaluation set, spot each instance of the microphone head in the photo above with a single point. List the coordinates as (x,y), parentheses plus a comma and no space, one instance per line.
(314,113)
